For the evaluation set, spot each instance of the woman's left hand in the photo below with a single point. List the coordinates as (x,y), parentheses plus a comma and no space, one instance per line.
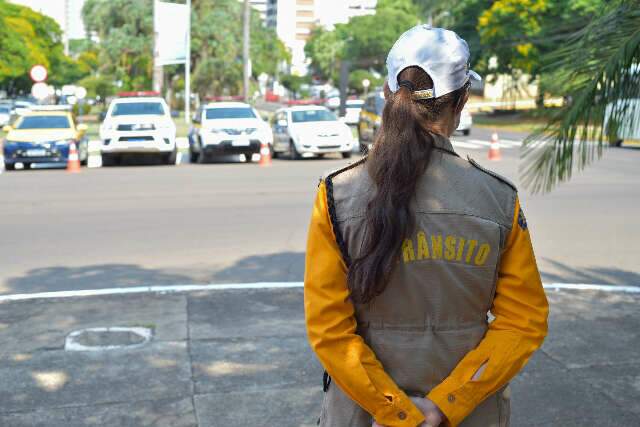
(432,414)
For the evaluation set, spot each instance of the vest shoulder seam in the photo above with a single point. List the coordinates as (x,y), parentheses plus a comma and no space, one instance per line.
(493,174)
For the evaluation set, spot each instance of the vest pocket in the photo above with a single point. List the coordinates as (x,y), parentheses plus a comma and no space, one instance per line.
(504,406)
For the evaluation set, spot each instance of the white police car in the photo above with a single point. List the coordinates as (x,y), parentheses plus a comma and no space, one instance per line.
(223,128)
(138,123)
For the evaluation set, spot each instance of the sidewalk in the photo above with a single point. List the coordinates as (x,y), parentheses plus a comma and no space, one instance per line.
(240,358)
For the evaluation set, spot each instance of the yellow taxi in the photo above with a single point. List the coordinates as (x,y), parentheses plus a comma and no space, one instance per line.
(43,135)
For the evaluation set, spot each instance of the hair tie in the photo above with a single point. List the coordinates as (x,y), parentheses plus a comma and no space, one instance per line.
(408,84)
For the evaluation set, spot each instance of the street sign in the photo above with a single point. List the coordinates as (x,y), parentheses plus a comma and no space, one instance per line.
(38,73)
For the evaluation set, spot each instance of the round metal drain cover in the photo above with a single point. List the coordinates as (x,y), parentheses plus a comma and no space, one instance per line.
(100,339)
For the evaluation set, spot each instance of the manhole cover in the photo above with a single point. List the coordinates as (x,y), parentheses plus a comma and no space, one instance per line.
(100,339)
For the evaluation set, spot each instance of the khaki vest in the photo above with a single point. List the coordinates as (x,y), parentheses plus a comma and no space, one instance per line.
(434,309)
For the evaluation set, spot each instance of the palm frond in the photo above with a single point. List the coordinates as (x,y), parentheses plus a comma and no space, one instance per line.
(599,69)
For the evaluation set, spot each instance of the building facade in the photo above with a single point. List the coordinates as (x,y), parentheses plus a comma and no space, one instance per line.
(293,21)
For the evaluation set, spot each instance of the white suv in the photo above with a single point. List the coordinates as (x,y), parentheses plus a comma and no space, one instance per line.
(308,131)
(223,128)
(138,125)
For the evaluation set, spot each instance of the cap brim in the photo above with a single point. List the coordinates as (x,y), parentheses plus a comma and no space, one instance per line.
(474,76)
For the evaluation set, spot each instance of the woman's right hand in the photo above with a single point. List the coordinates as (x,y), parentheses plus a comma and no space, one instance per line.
(432,414)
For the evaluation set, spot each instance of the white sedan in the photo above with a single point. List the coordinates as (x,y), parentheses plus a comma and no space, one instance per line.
(310,131)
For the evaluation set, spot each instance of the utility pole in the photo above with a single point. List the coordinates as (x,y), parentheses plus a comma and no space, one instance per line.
(187,69)
(66,28)
(245,49)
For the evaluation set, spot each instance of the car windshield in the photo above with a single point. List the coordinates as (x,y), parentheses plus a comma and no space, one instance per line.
(313,116)
(44,122)
(230,113)
(137,108)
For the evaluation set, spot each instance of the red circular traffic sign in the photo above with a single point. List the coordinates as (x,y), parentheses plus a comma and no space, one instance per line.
(38,73)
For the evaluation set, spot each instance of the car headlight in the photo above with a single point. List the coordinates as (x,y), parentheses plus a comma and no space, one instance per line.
(218,131)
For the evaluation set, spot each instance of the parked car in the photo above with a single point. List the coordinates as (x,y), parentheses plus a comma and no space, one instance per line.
(353,109)
(5,114)
(629,127)
(223,128)
(465,122)
(310,130)
(370,120)
(136,125)
(43,135)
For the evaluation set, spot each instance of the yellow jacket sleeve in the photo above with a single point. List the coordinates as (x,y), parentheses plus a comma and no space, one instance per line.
(520,308)
(331,329)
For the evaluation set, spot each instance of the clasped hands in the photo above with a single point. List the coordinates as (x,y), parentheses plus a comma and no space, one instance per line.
(432,414)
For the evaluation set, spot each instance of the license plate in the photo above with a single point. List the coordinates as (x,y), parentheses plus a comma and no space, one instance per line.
(36,152)
(240,142)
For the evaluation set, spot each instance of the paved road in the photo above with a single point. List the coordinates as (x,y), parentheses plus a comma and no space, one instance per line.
(235,222)
(211,364)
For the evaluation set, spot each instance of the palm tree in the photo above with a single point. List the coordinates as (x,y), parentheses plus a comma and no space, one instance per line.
(599,69)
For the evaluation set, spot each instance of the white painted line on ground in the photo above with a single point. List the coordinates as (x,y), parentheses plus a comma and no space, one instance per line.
(258,285)
(590,287)
(462,144)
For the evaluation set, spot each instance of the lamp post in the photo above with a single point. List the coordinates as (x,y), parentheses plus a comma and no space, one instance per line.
(365,84)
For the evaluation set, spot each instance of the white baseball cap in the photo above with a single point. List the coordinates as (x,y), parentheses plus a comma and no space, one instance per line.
(440,53)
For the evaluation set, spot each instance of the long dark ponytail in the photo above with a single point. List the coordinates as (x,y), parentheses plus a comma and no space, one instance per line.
(399,157)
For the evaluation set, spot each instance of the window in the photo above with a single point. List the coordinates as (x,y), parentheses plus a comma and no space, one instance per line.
(44,122)
(137,108)
(312,116)
(230,113)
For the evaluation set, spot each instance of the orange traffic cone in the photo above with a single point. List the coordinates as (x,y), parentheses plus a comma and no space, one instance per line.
(494,148)
(265,155)
(73,161)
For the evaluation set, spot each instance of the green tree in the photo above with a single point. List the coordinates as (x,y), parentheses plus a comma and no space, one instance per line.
(28,38)
(125,30)
(598,67)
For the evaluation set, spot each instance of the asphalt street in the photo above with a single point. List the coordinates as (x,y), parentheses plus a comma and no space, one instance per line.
(235,222)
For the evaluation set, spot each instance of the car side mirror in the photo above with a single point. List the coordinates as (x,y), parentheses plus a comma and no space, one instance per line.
(283,123)
(82,127)
(6,128)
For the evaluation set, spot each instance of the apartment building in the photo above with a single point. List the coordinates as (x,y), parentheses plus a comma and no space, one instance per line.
(293,21)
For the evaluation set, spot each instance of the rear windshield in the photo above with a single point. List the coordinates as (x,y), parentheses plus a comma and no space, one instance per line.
(230,113)
(137,108)
(313,116)
(43,122)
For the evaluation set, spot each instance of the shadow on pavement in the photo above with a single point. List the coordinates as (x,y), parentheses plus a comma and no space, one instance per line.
(90,277)
(278,267)
(591,275)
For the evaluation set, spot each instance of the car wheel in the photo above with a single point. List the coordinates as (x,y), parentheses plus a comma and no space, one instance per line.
(170,159)
(294,154)
(248,157)
(618,143)
(9,166)
(466,132)
(108,160)
(346,155)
